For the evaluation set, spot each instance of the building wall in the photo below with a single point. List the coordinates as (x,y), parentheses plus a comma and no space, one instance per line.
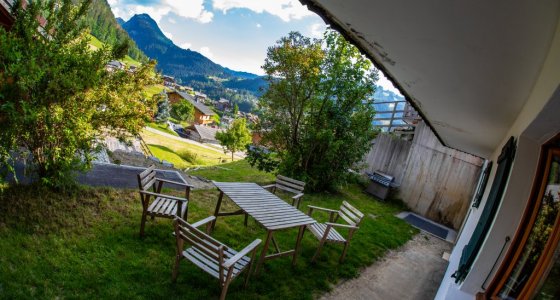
(174,98)
(201,118)
(537,122)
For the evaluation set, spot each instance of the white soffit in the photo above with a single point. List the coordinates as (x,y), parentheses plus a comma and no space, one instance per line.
(469,66)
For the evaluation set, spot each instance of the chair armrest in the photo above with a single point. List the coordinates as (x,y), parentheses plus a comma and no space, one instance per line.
(174,182)
(342,225)
(323,209)
(268,186)
(163,196)
(298,196)
(230,262)
(203,221)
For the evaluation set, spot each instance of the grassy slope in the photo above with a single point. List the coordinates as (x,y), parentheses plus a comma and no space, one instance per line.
(96,44)
(86,245)
(189,154)
(236,171)
(162,127)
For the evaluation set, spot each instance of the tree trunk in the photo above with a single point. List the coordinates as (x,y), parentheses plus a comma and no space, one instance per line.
(231,155)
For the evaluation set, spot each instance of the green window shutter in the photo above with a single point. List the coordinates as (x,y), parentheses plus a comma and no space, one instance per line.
(470,251)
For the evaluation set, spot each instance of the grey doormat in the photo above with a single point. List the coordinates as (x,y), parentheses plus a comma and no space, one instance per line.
(429,226)
(426,226)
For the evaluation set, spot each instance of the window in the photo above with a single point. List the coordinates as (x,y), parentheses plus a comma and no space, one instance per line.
(532,268)
(470,251)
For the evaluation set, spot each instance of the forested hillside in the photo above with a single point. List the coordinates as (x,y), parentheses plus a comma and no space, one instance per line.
(104,26)
(192,68)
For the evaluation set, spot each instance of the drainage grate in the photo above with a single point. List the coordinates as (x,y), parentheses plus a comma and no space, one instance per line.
(426,226)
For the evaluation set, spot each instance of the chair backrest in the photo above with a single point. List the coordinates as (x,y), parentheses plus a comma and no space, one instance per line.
(213,249)
(289,184)
(147,178)
(350,214)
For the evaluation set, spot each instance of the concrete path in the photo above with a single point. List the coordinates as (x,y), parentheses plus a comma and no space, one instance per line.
(102,174)
(120,176)
(413,271)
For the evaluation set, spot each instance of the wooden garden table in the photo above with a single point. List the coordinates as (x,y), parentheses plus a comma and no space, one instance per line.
(268,210)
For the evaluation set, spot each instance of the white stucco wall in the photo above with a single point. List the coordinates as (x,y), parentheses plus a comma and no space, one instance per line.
(537,122)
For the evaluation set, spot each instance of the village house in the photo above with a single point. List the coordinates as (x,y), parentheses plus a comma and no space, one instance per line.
(485,76)
(168,81)
(202,113)
(114,65)
(223,104)
(203,134)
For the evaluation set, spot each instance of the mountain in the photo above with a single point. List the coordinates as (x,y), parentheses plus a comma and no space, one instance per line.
(190,67)
(120,21)
(173,60)
(106,28)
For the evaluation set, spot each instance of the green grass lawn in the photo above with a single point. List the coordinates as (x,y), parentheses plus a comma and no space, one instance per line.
(184,153)
(235,171)
(85,244)
(162,127)
(154,89)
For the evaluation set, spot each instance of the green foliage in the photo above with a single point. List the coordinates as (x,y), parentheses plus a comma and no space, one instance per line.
(56,98)
(162,114)
(101,21)
(262,159)
(183,111)
(316,108)
(236,137)
(235,109)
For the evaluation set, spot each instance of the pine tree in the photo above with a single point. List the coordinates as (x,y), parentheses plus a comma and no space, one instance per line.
(162,114)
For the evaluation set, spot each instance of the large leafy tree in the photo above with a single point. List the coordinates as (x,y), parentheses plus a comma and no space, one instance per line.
(316,110)
(236,137)
(57,99)
(183,111)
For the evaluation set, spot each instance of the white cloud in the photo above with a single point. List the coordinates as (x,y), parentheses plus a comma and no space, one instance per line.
(185,45)
(286,10)
(113,2)
(206,52)
(259,25)
(317,29)
(191,9)
(171,20)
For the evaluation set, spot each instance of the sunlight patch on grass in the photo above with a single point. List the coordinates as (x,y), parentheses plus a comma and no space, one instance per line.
(203,156)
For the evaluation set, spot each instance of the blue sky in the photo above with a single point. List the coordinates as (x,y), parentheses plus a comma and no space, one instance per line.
(233,33)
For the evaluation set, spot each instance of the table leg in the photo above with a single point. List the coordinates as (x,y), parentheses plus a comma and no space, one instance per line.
(275,244)
(298,242)
(264,251)
(217,209)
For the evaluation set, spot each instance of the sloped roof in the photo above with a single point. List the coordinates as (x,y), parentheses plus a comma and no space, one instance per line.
(206,132)
(199,106)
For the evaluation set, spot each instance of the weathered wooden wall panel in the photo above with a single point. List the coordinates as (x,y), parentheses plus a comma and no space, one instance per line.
(435,181)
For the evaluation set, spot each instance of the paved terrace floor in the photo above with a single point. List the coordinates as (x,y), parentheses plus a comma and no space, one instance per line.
(413,271)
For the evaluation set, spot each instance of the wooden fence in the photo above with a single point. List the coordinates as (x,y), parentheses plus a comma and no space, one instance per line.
(435,181)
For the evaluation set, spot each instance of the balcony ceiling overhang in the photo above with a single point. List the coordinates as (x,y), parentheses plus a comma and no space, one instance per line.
(467,66)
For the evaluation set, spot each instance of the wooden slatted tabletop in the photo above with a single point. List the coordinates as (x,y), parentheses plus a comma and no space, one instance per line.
(266,208)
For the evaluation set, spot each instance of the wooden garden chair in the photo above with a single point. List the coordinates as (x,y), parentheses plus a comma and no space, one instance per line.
(210,255)
(288,185)
(164,206)
(326,232)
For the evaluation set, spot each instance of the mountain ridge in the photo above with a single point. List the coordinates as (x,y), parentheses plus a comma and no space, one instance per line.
(172,59)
